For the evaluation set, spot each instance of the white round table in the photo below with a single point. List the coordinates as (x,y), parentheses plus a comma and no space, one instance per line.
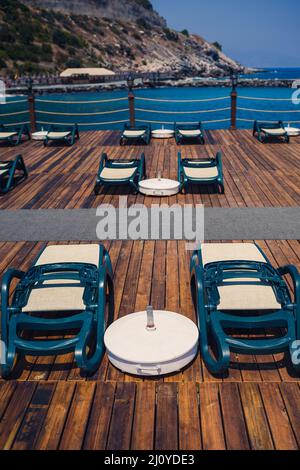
(41,135)
(168,347)
(159,187)
(162,133)
(293,131)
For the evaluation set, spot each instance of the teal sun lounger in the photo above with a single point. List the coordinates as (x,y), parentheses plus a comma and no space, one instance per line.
(237,291)
(136,134)
(63,134)
(11,173)
(267,130)
(67,290)
(205,171)
(120,172)
(14,135)
(189,133)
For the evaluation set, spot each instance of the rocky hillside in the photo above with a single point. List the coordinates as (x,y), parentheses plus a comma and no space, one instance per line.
(106,33)
(128,10)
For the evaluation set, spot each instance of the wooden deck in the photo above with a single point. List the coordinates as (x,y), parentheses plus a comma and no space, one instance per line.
(256,175)
(48,405)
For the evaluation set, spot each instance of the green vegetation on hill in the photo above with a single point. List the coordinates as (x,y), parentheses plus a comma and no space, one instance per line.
(36,40)
(145,3)
(28,38)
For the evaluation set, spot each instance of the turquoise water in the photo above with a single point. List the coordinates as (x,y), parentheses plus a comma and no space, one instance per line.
(86,108)
(279,73)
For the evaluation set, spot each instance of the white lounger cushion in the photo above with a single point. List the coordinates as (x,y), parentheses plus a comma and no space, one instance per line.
(201,173)
(58,135)
(275,131)
(240,297)
(190,133)
(2,172)
(137,134)
(247,297)
(7,135)
(54,299)
(117,173)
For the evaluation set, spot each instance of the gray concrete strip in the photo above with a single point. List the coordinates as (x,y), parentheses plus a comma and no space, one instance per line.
(220,224)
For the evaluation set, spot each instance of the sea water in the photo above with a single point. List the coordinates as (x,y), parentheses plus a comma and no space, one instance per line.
(161,107)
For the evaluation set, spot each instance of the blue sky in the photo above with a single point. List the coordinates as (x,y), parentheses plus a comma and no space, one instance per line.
(262,33)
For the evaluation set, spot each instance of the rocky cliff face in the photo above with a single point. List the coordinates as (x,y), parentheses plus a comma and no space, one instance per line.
(128,10)
(50,35)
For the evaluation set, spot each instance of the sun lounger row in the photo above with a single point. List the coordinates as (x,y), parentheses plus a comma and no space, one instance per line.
(206,171)
(182,133)
(69,289)
(62,133)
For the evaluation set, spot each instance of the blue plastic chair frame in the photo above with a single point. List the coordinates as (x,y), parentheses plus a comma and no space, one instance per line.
(186,180)
(12,173)
(143,138)
(97,282)
(73,134)
(181,138)
(133,181)
(213,323)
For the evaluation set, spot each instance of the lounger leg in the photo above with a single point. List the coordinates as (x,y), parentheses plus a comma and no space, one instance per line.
(10,353)
(221,363)
(89,365)
(97,188)
(221,188)
(295,357)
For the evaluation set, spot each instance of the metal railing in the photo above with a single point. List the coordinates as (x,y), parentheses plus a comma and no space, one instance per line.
(37,112)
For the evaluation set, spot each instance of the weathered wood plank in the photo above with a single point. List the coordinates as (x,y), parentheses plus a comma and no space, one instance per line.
(255,417)
(144,417)
(119,436)
(166,429)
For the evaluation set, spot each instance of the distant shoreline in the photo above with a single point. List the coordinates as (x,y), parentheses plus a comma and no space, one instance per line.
(179,83)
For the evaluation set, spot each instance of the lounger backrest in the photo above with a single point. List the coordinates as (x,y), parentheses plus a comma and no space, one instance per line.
(62,295)
(270,125)
(187,127)
(215,252)
(205,163)
(70,254)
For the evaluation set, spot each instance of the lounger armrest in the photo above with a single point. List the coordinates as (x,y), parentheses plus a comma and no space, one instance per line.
(179,169)
(7,279)
(102,164)
(255,127)
(293,272)
(219,161)
(105,261)
(195,260)
(142,170)
(76,131)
